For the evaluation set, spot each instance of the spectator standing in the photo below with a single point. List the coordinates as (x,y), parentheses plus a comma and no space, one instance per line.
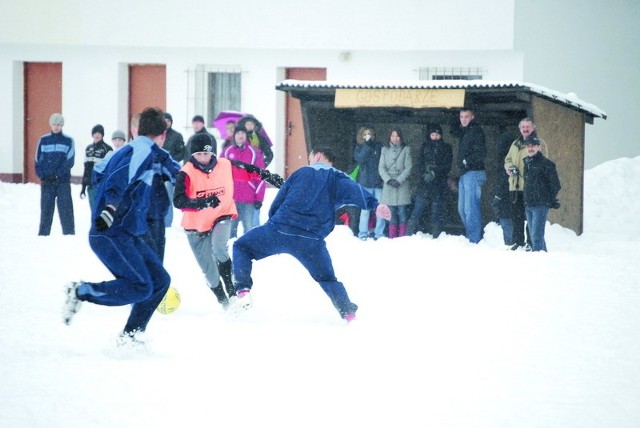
(395,168)
(434,165)
(514,167)
(256,136)
(55,156)
(173,143)
(230,127)
(118,229)
(118,138)
(472,152)
(204,193)
(248,188)
(301,216)
(501,203)
(367,154)
(93,154)
(197,123)
(541,191)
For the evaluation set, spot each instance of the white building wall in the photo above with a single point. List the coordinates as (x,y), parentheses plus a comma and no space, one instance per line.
(259,24)
(96,41)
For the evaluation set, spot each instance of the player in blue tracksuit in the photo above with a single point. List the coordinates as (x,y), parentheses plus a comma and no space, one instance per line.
(55,156)
(301,216)
(119,224)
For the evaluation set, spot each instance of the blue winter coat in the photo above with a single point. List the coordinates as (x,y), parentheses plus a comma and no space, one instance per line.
(307,202)
(55,156)
(126,183)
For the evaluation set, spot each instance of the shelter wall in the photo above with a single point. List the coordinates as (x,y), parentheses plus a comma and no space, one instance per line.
(563,130)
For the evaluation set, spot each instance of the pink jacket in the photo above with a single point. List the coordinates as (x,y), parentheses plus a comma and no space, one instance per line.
(247,187)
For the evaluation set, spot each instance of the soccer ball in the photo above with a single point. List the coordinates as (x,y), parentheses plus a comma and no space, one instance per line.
(169,302)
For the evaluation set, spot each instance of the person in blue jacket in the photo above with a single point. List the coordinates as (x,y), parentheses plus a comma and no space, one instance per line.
(300,218)
(55,156)
(119,226)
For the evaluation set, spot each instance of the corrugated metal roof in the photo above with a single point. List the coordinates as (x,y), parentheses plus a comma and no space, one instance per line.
(569,99)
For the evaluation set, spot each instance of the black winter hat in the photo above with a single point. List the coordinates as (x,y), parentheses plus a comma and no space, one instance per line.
(532,140)
(201,143)
(434,128)
(168,116)
(197,118)
(98,128)
(238,129)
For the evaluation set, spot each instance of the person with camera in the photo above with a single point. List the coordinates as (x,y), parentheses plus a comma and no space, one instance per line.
(541,191)
(434,164)
(514,167)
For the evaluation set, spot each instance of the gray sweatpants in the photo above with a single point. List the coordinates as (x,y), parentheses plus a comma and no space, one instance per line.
(211,249)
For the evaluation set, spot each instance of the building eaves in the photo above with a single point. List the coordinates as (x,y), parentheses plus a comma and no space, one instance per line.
(320,86)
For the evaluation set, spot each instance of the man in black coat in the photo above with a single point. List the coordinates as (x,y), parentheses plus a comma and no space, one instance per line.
(472,152)
(540,192)
(173,143)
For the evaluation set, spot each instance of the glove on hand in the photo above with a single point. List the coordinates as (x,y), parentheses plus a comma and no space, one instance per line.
(393,183)
(257,205)
(274,179)
(210,201)
(83,193)
(105,219)
(555,204)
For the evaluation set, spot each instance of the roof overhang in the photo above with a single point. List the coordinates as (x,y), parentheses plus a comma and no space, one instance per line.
(485,92)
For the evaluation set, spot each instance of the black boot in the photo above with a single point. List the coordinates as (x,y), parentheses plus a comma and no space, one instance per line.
(224,268)
(220,295)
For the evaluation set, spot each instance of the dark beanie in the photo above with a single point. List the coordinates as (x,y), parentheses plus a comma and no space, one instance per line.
(99,129)
(201,143)
(435,128)
(168,116)
(197,118)
(240,129)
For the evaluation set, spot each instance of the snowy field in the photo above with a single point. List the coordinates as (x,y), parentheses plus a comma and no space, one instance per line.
(448,334)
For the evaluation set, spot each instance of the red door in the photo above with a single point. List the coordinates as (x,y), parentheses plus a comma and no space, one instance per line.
(147,88)
(42,98)
(296,147)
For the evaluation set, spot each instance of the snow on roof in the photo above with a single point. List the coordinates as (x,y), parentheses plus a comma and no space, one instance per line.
(569,99)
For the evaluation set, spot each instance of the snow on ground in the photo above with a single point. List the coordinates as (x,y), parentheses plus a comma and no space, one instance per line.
(448,334)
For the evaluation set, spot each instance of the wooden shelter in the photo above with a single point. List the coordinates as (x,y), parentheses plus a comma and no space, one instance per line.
(332,113)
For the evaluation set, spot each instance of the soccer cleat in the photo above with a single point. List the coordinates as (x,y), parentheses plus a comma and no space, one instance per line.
(131,340)
(242,302)
(349,317)
(72,303)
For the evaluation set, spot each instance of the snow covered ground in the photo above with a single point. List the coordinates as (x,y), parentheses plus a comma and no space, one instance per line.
(448,334)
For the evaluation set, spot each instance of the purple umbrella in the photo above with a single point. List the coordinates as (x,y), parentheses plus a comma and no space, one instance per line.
(220,122)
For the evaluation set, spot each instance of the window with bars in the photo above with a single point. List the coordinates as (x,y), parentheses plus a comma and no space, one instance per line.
(213,89)
(450,73)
